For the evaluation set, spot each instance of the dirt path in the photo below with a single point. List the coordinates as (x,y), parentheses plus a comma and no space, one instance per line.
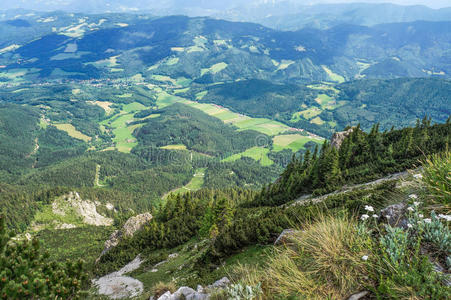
(117,286)
(96,179)
(306,199)
(34,152)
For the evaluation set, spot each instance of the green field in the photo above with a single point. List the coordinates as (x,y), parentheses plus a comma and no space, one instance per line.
(216,68)
(295,142)
(201,95)
(162,78)
(333,76)
(172,61)
(324,100)
(257,153)
(317,121)
(123,132)
(225,115)
(73,132)
(184,82)
(264,126)
(195,184)
(174,147)
(323,87)
(306,114)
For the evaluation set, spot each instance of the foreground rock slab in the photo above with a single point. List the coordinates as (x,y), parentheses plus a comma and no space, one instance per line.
(117,286)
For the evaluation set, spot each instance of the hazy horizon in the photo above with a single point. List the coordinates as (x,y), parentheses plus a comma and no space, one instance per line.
(179,5)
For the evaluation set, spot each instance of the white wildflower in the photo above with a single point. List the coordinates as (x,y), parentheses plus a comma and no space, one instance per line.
(388,216)
(375,216)
(427,221)
(369,208)
(413,196)
(410,208)
(420,215)
(416,203)
(364,217)
(365,257)
(445,217)
(409,225)
(418,176)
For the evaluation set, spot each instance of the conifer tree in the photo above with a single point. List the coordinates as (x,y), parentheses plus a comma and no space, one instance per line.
(26,272)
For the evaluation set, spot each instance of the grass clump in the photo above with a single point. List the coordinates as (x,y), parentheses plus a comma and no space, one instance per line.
(162,287)
(437,177)
(322,261)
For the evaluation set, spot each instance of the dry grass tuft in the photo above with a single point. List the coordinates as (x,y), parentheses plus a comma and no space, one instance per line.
(437,177)
(162,287)
(322,262)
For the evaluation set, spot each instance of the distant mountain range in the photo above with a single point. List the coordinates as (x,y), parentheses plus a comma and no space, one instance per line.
(80,45)
(280,14)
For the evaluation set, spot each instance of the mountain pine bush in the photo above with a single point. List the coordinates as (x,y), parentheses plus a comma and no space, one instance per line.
(26,272)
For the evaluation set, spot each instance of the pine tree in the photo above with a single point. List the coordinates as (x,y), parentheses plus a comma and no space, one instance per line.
(26,272)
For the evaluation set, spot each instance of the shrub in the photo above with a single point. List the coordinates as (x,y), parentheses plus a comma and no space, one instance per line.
(26,272)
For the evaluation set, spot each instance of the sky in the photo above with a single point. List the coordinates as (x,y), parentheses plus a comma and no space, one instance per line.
(104,5)
(430,3)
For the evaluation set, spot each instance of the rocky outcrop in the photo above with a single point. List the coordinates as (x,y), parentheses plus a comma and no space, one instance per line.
(182,294)
(86,209)
(132,225)
(118,286)
(220,284)
(190,294)
(339,137)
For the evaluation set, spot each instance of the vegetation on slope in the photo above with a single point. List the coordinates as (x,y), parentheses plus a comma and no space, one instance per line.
(27,271)
(362,157)
(180,124)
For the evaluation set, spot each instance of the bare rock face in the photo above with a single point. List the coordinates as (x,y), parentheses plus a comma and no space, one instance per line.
(128,230)
(339,137)
(72,202)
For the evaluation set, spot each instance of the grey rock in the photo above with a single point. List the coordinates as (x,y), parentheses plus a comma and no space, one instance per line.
(394,214)
(198,296)
(117,286)
(221,283)
(358,295)
(166,296)
(132,225)
(339,137)
(184,293)
(284,236)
